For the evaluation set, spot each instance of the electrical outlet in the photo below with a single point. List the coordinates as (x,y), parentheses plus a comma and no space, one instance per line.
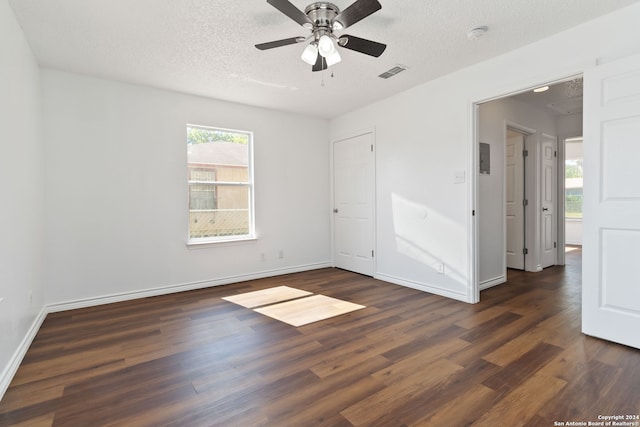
(439,267)
(263,257)
(281,254)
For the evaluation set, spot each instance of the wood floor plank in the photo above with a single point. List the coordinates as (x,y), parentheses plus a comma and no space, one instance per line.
(42,421)
(410,358)
(388,400)
(356,352)
(470,322)
(522,404)
(462,410)
(587,386)
(314,402)
(30,394)
(429,401)
(525,366)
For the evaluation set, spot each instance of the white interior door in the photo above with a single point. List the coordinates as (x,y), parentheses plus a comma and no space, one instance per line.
(514,177)
(611,208)
(549,146)
(353,165)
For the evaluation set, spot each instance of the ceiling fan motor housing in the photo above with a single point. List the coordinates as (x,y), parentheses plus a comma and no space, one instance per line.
(322,15)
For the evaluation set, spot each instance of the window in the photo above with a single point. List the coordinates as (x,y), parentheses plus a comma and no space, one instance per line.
(220,180)
(573,179)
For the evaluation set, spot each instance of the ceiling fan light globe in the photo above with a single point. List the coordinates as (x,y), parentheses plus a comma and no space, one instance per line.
(326,46)
(310,54)
(334,58)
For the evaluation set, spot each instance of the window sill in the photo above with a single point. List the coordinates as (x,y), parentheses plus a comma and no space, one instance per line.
(204,244)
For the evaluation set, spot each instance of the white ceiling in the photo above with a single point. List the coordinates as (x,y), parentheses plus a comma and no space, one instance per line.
(206,47)
(561,99)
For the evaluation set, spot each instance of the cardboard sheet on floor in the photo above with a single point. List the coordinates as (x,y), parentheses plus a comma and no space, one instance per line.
(308,310)
(267,296)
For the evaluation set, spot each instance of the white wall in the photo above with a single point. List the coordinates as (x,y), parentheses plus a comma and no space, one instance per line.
(569,126)
(493,116)
(22,190)
(573,232)
(117,199)
(425,135)
(421,215)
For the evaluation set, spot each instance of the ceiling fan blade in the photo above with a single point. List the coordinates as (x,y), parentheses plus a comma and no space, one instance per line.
(291,11)
(321,64)
(357,11)
(278,43)
(362,45)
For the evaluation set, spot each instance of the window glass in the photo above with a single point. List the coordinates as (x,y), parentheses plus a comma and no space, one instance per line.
(220,183)
(573,180)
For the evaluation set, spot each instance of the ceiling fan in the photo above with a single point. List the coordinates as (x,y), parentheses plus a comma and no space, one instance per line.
(323,19)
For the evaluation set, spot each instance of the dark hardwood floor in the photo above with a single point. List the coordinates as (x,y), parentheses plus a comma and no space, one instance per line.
(408,359)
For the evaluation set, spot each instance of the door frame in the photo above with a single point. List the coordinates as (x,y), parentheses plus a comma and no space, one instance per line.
(474,104)
(336,139)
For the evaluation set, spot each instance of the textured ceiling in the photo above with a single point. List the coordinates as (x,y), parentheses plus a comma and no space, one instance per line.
(206,47)
(564,98)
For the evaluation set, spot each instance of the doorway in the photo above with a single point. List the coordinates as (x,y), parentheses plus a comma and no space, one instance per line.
(528,191)
(522,227)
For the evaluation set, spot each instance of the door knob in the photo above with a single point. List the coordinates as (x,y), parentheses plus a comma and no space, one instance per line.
(335,210)
(545,209)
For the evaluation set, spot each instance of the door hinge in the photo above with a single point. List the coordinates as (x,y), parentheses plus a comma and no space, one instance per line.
(372,254)
(525,153)
(555,154)
(525,251)
(525,202)
(555,244)
(372,148)
(473,212)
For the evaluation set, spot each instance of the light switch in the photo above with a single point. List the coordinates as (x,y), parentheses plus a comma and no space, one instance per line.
(458,177)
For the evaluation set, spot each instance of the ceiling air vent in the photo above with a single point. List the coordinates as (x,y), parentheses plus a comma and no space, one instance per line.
(392,72)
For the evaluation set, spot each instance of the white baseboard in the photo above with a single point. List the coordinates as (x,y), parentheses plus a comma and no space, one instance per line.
(485,284)
(423,287)
(164,290)
(14,363)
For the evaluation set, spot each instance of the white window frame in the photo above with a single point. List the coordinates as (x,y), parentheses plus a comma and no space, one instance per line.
(215,240)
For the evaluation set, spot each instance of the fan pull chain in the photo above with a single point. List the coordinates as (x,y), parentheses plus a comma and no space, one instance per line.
(324,73)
